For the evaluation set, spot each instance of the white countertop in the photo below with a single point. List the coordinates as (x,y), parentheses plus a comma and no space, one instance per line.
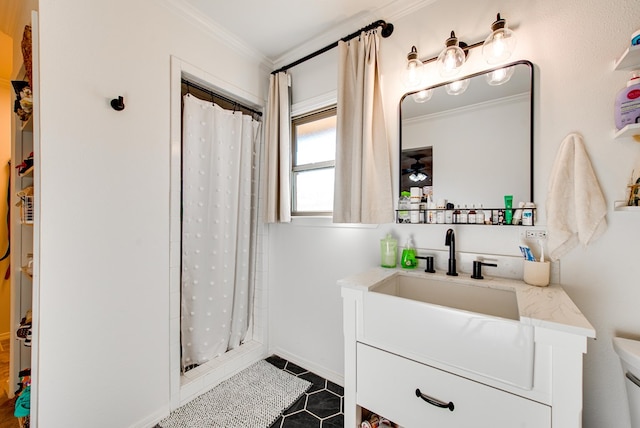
(549,307)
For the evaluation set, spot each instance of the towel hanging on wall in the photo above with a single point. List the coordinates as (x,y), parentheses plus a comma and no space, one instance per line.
(576,209)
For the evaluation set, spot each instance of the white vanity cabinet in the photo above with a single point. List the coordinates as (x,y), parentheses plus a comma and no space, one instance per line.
(388,384)
(385,365)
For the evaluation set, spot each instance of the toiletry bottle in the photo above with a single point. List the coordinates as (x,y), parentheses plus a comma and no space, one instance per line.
(414,199)
(627,104)
(408,259)
(463,217)
(508,204)
(471,217)
(388,251)
(404,205)
(456,215)
(527,214)
(448,214)
(480,215)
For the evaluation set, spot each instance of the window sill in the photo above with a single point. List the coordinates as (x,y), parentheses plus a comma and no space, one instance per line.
(327,221)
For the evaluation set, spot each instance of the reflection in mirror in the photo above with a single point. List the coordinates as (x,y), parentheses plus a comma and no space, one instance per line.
(476,146)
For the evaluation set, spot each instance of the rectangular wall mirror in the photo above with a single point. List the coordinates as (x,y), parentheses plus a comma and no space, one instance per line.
(475,147)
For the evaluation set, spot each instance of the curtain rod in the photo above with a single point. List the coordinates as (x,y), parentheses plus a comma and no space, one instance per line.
(387,30)
(216,95)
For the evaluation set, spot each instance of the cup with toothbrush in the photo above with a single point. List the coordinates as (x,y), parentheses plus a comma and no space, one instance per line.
(535,272)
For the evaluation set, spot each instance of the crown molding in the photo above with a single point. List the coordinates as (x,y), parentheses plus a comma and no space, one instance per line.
(194,16)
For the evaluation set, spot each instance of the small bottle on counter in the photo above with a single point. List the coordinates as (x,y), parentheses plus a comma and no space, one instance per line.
(408,259)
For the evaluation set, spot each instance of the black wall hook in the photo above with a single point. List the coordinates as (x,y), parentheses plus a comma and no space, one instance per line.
(117,104)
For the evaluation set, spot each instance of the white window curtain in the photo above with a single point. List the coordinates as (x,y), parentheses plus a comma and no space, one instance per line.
(363,183)
(218,228)
(278,151)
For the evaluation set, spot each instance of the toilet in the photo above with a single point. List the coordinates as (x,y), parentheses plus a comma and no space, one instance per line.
(629,353)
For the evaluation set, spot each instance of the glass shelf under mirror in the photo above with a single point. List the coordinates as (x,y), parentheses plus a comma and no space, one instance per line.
(492,216)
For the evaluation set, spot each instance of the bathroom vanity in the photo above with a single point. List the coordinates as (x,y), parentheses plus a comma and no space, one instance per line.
(434,350)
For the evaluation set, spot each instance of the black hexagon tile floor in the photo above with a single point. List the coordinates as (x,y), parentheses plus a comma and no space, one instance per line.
(319,407)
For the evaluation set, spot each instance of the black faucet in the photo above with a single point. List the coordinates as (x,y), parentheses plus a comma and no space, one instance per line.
(450,241)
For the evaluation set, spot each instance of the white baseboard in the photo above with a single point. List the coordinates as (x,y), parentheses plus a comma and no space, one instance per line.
(152,420)
(334,377)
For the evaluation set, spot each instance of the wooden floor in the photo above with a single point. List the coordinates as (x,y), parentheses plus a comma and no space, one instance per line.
(7,420)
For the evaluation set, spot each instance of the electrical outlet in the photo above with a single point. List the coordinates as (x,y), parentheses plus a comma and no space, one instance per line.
(536,234)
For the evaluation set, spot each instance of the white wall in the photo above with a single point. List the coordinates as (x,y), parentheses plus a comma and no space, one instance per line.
(104,318)
(573,45)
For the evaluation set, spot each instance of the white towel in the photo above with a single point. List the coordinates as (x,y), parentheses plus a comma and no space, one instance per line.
(576,209)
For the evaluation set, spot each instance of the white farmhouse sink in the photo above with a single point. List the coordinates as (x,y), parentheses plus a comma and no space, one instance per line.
(451,321)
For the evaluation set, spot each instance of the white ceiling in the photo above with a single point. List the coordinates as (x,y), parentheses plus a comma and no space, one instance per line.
(279,29)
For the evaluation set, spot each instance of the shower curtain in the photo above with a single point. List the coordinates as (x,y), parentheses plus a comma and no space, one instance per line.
(219,200)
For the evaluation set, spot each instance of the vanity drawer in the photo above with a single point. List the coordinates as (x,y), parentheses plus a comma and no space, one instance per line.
(387,384)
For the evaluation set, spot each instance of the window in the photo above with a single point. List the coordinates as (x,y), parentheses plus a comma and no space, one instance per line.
(314,155)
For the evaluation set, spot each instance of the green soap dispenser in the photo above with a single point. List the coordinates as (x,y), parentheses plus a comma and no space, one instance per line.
(408,259)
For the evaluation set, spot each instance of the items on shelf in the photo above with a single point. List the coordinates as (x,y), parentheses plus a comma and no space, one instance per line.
(26,166)
(23,333)
(634,199)
(22,409)
(23,105)
(524,215)
(26,205)
(372,420)
(627,104)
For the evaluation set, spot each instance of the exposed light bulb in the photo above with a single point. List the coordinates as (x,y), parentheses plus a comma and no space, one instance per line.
(451,58)
(422,96)
(499,76)
(417,177)
(500,44)
(457,87)
(414,70)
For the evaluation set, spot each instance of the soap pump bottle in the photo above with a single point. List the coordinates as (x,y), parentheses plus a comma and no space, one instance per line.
(388,251)
(408,259)
(627,104)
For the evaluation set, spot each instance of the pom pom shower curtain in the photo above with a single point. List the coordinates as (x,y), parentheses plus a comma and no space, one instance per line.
(218,228)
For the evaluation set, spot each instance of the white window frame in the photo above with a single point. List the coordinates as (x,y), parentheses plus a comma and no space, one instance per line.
(311,116)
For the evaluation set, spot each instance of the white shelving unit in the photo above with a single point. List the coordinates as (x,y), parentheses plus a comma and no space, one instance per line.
(21,245)
(629,60)
(632,130)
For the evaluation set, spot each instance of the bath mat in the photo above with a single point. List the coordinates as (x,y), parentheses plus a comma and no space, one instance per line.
(253,398)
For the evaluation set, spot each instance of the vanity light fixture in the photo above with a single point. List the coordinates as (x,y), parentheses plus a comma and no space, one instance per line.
(499,76)
(414,70)
(457,87)
(500,44)
(497,48)
(422,96)
(452,56)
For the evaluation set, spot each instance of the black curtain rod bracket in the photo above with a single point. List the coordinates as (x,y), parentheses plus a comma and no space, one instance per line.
(387,30)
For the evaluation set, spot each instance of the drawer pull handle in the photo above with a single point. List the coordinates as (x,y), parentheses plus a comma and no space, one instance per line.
(434,402)
(633,379)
